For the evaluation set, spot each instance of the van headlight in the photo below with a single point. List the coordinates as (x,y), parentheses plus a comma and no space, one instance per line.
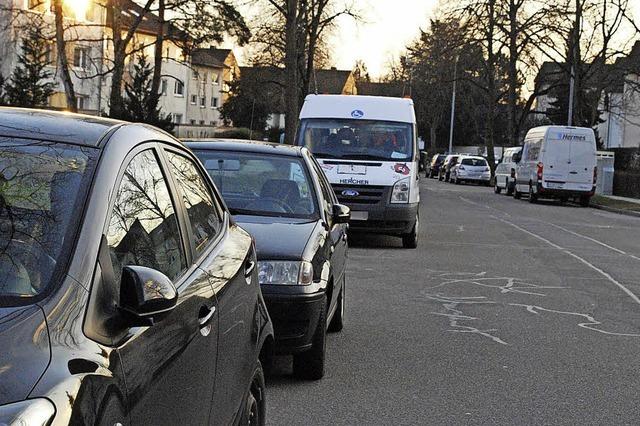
(285,272)
(31,412)
(400,193)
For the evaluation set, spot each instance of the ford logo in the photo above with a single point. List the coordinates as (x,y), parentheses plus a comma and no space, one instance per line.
(350,193)
(356,113)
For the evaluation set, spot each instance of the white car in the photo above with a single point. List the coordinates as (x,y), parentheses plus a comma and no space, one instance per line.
(506,171)
(471,169)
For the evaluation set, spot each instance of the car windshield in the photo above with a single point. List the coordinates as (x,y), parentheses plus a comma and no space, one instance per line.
(477,162)
(262,185)
(358,139)
(39,187)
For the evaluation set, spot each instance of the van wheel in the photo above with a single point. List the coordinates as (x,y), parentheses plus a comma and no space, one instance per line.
(509,188)
(309,365)
(516,194)
(533,198)
(337,322)
(584,201)
(410,240)
(497,189)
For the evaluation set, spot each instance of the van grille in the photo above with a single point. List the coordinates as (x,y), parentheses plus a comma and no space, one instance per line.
(369,194)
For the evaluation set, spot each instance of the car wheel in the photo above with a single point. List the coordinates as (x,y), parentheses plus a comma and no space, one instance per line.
(510,188)
(410,240)
(516,194)
(309,365)
(337,322)
(533,198)
(254,413)
(497,189)
(584,201)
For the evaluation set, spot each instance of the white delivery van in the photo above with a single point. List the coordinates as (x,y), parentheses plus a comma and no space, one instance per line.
(557,162)
(367,147)
(506,171)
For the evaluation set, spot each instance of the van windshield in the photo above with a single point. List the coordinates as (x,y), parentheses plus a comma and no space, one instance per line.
(357,139)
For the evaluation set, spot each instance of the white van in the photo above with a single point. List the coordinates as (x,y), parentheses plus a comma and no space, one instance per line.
(557,162)
(506,171)
(367,147)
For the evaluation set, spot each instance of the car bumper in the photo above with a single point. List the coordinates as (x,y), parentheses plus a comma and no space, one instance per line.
(295,319)
(562,193)
(392,219)
(474,178)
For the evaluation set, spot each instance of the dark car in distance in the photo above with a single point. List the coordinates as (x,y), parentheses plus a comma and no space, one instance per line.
(281,196)
(433,169)
(127,293)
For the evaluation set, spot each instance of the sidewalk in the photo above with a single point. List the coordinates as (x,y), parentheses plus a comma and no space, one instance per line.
(615,204)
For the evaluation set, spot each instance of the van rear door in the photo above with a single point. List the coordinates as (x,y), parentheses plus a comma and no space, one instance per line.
(583,161)
(556,160)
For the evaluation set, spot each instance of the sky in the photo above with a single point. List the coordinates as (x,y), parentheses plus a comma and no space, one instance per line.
(389,25)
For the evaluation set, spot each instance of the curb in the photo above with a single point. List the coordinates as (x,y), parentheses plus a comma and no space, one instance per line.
(614,210)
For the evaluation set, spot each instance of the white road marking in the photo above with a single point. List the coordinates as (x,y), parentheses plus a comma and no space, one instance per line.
(575,256)
(617,250)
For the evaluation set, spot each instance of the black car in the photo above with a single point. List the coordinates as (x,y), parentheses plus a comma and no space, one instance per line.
(281,196)
(433,169)
(127,293)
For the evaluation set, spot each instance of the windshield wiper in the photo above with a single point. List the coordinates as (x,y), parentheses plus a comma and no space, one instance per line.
(367,157)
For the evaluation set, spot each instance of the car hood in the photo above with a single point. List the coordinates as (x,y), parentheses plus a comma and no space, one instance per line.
(25,353)
(278,238)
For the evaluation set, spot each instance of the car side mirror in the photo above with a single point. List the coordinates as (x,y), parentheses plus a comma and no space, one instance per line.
(341,213)
(517,157)
(146,295)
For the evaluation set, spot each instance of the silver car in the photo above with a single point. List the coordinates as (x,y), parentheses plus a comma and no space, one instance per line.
(471,169)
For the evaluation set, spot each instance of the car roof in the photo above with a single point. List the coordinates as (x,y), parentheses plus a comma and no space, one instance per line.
(54,126)
(244,146)
(477,157)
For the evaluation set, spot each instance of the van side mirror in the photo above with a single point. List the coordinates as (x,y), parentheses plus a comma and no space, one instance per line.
(341,213)
(517,157)
(146,295)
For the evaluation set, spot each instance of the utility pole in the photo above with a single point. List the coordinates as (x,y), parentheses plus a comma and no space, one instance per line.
(575,58)
(453,105)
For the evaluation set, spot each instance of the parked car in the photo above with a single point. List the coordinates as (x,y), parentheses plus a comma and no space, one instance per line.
(506,171)
(445,169)
(280,194)
(557,162)
(434,167)
(471,169)
(127,293)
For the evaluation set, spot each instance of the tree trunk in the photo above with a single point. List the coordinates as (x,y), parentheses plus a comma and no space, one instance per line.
(157,59)
(433,143)
(491,88)
(291,72)
(513,128)
(63,60)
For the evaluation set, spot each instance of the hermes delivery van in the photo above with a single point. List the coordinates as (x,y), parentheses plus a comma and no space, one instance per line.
(367,148)
(557,162)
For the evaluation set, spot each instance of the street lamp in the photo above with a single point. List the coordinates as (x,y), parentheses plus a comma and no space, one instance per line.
(453,104)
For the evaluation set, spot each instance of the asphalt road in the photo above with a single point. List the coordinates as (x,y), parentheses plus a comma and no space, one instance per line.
(507,313)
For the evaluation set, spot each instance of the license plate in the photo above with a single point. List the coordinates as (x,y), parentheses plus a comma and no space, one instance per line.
(555,185)
(359,215)
(352,169)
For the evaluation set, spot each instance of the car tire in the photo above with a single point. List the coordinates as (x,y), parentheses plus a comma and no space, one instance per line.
(533,198)
(584,201)
(509,188)
(309,365)
(254,411)
(410,240)
(497,189)
(337,322)
(516,194)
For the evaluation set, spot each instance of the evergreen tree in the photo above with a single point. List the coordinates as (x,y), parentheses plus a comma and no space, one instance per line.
(30,84)
(139,104)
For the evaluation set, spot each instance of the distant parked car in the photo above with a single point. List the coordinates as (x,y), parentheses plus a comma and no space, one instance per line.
(506,171)
(127,293)
(557,162)
(433,169)
(444,172)
(471,169)
(280,194)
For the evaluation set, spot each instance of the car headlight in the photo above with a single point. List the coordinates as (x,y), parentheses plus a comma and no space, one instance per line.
(31,412)
(285,272)
(400,193)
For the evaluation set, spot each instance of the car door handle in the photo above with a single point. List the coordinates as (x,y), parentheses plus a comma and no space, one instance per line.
(206,314)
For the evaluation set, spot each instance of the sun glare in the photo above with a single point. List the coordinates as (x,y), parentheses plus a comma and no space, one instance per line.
(78,7)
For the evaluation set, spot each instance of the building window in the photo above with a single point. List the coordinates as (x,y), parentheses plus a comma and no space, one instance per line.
(163,87)
(203,101)
(177,118)
(81,57)
(214,102)
(192,121)
(212,123)
(179,88)
(215,78)
(202,122)
(194,99)
(50,54)
(194,75)
(80,102)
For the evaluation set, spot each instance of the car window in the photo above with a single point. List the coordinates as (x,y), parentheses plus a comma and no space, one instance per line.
(325,188)
(475,162)
(205,221)
(533,150)
(143,229)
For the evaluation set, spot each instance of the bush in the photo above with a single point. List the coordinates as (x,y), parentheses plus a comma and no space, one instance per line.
(239,133)
(626,183)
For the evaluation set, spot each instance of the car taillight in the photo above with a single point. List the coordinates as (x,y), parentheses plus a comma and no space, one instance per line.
(540,169)
(595,174)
